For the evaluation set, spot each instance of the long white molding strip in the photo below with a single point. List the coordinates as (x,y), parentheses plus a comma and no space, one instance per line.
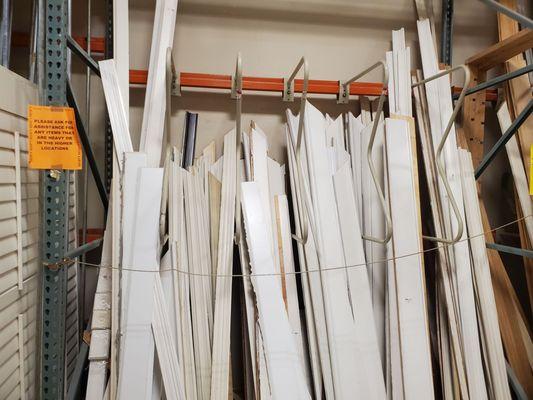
(114,226)
(446,260)
(179,260)
(412,311)
(315,305)
(121,49)
(18,197)
(517,167)
(200,296)
(355,127)
(339,318)
(155,100)
(440,109)
(133,163)
(137,362)
(487,305)
(373,224)
(284,369)
(259,174)
(281,208)
(393,358)
(115,109)
(249,296)
(370,375)
(165,345)
(96,383)
(220,370)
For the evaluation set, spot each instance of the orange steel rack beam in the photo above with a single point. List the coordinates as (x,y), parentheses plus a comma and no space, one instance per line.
(211,81)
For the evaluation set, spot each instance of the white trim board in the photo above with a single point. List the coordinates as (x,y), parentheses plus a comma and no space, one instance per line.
(220,367)
(517,167)
(153,125)
(136,372)
(339,318)
(116,109)
(121,49)
(312,281)
(486,302)
(409,271)
(440,109)
(200,292)
(179,260)
(370,375)
(284,369)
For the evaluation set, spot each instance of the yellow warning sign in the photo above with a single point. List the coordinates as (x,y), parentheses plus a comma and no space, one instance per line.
(53,138)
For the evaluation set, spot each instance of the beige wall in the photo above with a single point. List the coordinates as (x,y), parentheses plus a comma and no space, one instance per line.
(338,37)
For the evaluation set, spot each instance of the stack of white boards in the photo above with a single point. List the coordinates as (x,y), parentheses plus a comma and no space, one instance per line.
(211,302)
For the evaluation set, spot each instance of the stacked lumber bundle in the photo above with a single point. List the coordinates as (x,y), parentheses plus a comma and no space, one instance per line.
(209,297)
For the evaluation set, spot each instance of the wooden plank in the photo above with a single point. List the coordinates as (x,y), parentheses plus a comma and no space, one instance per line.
(503,50)
(155,100)
(220,367)
(409,275)
(487,304)
(285,372)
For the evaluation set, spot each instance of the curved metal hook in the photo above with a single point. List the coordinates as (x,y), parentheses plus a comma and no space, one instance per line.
(438,161)
(236,93)
(345,93)
(288,95)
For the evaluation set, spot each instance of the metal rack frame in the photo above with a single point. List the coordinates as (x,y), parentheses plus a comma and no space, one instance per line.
(54,184)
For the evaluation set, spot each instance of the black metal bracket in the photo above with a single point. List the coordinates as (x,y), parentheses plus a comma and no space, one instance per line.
(82,54)
(87,147)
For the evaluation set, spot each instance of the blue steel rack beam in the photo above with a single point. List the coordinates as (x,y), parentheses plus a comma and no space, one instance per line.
(54,214)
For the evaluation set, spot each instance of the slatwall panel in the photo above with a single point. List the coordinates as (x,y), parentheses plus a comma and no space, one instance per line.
(21,308)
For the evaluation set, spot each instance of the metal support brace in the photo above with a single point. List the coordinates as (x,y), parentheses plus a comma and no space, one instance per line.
(517,123)
(500,79)
(438,161)
(54,214)
(82,54)
(447,32)
(510,250)
(87,147)
(344,97)
(523,20)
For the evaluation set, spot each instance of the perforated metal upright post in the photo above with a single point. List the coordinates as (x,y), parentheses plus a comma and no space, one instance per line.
(108,53)
(54,213)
